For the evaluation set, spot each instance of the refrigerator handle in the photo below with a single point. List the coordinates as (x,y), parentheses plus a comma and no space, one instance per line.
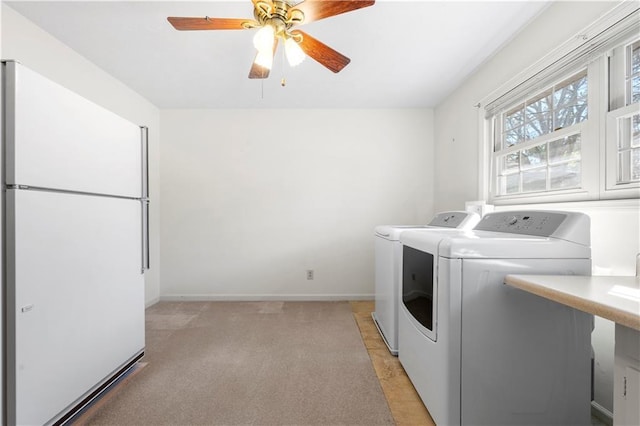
(144,200)
(144,142)
(145,234)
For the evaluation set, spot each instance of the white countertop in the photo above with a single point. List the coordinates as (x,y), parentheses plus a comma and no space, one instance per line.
(610,297)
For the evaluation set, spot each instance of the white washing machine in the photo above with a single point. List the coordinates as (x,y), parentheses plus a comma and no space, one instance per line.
(388,264)
(481,353)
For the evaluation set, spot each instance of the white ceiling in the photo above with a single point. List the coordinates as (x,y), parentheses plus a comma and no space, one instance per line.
(404,54)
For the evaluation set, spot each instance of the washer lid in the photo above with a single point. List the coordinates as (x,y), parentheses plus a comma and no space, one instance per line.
(444,220)
(499,245)
(429,240)
(473,244)
(392,232)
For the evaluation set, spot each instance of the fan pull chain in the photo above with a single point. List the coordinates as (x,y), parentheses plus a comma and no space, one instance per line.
(283,80)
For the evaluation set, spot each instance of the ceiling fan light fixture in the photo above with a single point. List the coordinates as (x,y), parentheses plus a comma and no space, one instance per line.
(263,39)
(264,58)
(275,21)
(295,55)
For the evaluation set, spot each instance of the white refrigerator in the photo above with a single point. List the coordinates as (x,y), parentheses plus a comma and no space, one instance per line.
(75,216)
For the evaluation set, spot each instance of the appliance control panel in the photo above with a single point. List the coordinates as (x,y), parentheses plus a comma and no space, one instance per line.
(538,223)
(452,219)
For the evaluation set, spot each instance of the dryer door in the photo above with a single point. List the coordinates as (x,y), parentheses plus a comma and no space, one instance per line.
(419,288)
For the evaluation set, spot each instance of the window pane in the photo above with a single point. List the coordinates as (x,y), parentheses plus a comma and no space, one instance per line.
(511,161)
(513,137)
(635,89)
(564,149)
(513,131)
(571,115)
(629,132)
(538,118)
(509,184)
(635,59)
(629,166)
(566,175)
(570,103)
(512,183)
(633,76)
(513,119)
(624,173)
(534,180)
(534,157)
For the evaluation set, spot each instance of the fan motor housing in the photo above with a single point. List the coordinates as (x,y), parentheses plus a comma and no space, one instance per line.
(279,14)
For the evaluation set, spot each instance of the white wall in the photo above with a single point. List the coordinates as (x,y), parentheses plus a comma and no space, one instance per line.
(614,225)
(251,199)
(23,41)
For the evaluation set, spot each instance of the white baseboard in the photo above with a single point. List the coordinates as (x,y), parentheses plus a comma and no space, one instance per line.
(601,413)
(151,302)
(263,297)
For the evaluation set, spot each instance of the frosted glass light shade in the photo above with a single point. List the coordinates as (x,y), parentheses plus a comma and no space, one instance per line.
(263,39)
(295,55)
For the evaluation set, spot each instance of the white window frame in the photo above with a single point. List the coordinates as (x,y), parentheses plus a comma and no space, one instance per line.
(620,108)
(613,189)
(589,157)
(598,162)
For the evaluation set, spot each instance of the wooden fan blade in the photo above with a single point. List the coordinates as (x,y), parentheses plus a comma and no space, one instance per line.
(206,23)
(314,10)
(322,53)
(258,71)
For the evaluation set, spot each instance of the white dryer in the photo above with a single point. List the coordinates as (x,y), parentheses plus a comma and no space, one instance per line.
(481,353)
(388,258)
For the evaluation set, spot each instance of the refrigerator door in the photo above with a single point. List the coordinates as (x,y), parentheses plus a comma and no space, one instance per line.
(57,139)
(75,297)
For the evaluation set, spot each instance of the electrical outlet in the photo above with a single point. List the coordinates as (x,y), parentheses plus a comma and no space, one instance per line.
(309,274)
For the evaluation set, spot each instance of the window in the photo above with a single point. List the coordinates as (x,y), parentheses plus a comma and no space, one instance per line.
(571,131)
(623,120)
(538,145)
(633,73)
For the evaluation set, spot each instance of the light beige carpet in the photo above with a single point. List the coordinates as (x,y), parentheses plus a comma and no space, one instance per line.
(250,363)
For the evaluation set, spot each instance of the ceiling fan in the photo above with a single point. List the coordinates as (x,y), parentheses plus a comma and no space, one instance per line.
(276,20)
